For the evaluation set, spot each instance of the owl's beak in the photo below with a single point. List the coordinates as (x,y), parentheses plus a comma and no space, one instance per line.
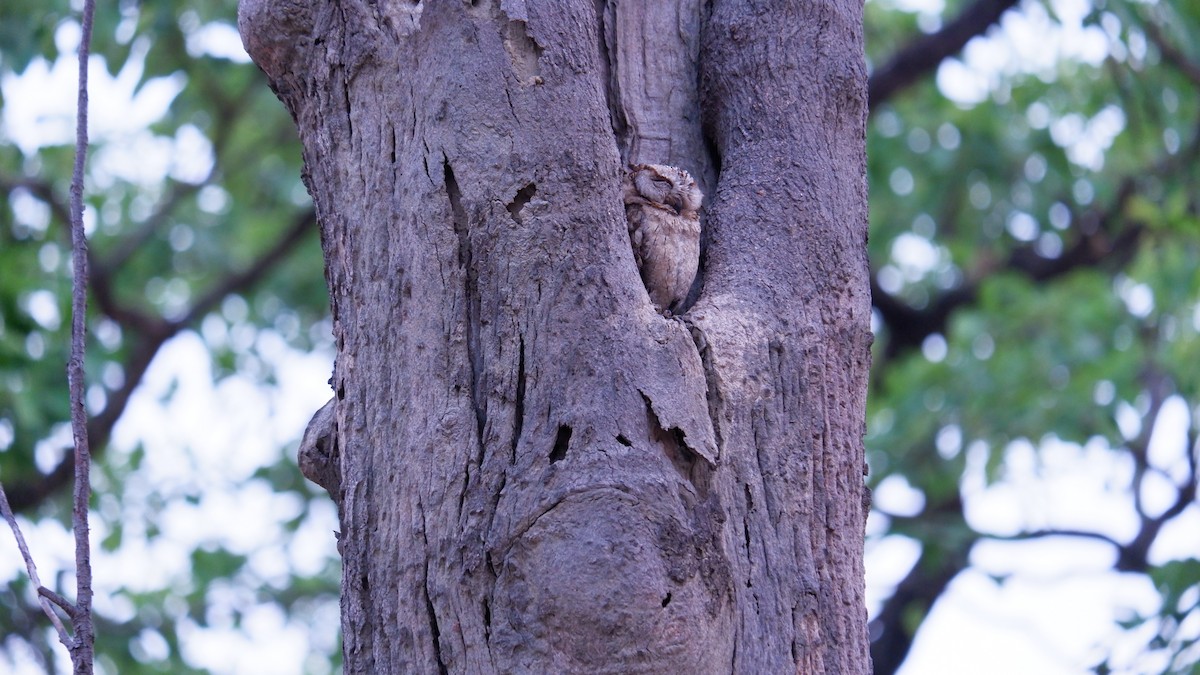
(675,202)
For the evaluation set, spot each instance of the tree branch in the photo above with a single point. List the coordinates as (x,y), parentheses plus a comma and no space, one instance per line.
(1099,241)
(255,272)
(892,631)
(83,645)
(908,326)
(1134,556)
(31,568)
(31,493)
(1043,534)
(924,54)
(1172,54)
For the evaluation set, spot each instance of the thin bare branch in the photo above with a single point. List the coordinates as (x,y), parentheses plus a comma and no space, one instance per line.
(1159,387)
(892,632)
(63,604)
(31,569)
(82,647)
(1134,556)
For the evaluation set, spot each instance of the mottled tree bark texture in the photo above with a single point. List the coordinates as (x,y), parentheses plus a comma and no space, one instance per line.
(538,472)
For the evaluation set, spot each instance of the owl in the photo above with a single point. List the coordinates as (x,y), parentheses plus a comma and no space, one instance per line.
(662,206)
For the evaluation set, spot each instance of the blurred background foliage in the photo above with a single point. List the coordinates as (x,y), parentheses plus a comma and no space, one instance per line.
(1034,246)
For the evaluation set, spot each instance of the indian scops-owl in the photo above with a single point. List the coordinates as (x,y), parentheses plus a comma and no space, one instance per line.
(662,205)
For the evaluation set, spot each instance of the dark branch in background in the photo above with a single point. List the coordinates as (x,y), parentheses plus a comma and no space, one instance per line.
(1043,534)
(239,281)
(129,245)
(155,332)
(1103,238)
(133,242)
(1134,556)
(1172,54)
(923,55)
(908,327)
(940,561)
(892,632)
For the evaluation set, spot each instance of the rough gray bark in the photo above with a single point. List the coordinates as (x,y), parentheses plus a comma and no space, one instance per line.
(538,472)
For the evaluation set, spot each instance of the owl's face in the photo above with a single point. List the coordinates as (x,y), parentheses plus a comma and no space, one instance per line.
(669,186)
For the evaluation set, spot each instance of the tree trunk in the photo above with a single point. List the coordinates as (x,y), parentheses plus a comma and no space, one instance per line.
(538,472)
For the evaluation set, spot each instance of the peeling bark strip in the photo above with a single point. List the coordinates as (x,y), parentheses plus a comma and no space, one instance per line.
(531,479)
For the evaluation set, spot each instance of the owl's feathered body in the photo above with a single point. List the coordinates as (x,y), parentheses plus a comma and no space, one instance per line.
(662,206)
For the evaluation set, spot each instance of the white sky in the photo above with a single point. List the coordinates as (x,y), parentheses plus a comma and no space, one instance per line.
(1055,615)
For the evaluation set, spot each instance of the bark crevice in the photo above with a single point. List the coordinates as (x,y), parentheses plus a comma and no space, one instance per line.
(470,298)
(434,630)
(607,45)
(518,403)
(562,441)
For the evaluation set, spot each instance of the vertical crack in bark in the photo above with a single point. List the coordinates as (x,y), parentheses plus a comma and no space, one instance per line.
(435,631)
(464,490)
(425,161)
(470,299)
(607,39)
(746,527)
(776,359)
(391,143)
(346,101)
(512,109)
(733,653)
(757,433)
(487,620)
(713,150)
(519,410)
